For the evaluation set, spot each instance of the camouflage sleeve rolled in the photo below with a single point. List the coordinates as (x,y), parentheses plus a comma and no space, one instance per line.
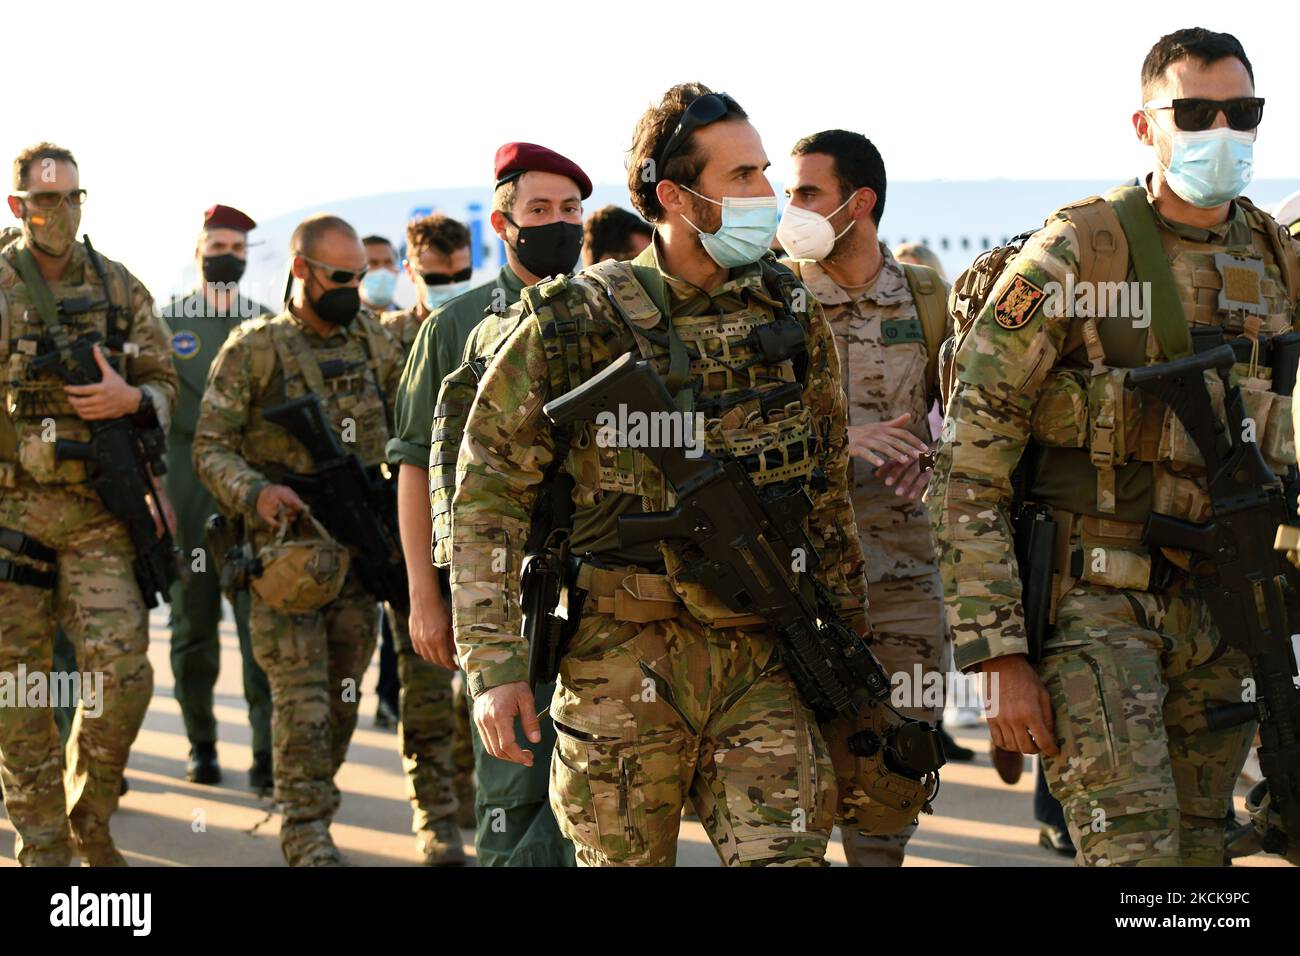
(218,437)
(831,524)
(151,368)
(505,451)
(1001,365)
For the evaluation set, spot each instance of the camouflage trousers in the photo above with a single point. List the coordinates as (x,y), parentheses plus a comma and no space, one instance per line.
(98,605)
(426,730)
(1141,777)
(314,663)
(648,715)
(907,633)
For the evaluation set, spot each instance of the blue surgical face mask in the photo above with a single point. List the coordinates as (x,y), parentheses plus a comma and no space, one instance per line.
(748,226)
(377,287)
(1210,167)
(437,295)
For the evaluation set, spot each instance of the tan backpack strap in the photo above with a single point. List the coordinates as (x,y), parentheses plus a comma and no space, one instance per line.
(932,309)
(295,356)
(630,300)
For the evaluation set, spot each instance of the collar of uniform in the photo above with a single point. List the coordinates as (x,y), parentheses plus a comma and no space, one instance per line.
(305,329)
(74,273)
(889,287)
(741,277)
(511,283)
(1234,231)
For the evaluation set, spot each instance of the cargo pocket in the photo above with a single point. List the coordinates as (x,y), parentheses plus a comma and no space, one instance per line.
(1088,705)
(597,793)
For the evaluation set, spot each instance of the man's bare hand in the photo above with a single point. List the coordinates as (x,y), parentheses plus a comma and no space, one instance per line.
(1024,721)
(881,441)
(494,715)
(277,504)
(908,480)
(430,625)
(110,397)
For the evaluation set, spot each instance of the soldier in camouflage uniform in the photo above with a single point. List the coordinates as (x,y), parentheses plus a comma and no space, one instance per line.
(1117,702)
(663,693)
(200,321)
(432,715)
(888,321)
(314,661)
(539,191)
(64,559)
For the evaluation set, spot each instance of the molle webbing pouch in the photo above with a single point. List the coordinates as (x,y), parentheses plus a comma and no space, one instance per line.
(455,398)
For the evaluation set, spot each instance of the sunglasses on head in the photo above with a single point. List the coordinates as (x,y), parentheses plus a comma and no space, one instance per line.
(441,278)
(335,274)
(52,199)
(1193,113)
(703,110)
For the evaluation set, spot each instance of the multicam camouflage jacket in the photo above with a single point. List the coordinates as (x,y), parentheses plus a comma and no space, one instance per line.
(1030,374)
(508,444)
(267,361)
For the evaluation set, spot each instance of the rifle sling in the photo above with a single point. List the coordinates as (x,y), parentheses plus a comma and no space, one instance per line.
(1147,252)
(43,299)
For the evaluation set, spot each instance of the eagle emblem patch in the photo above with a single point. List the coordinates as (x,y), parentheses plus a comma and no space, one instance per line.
(185,344)
(1018,303)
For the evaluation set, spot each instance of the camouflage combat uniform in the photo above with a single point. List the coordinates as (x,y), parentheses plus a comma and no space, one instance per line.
(514,823)
(314,661)
(883,355)
(96,600)
(663,694)
(428,725)
(1133,661)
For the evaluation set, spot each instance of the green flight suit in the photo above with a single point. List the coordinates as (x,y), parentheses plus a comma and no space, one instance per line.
(197,336)
(515,823)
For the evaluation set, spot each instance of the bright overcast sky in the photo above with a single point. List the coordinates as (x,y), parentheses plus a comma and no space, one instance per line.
(273,105)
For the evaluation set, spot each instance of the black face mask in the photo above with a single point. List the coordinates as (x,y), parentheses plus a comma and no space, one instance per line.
(549,250)
(224,268)
(337,306)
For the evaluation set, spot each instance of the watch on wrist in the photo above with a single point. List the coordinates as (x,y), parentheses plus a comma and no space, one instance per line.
(146,403)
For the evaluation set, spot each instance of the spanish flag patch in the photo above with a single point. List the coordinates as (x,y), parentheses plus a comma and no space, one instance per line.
(1018,303)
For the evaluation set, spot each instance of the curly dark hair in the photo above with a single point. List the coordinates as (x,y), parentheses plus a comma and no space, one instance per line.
(652,133)
(436,231)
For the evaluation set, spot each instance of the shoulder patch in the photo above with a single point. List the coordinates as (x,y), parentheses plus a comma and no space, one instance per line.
(1018,303)
(186,344)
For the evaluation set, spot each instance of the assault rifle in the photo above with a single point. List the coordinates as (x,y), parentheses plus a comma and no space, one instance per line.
(1252,591)
(746,545)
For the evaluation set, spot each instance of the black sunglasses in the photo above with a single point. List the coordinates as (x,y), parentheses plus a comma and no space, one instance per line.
(1193,113)
(703,110)
(441,278)
(335,274)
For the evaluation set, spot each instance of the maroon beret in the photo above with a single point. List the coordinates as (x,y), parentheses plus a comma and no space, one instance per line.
(227,217)
(515,159)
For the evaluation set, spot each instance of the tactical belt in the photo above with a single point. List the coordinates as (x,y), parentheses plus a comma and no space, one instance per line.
(631,594)
(16,542)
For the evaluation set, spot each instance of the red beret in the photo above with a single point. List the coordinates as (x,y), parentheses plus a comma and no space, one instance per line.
(226,217)
(515,159)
